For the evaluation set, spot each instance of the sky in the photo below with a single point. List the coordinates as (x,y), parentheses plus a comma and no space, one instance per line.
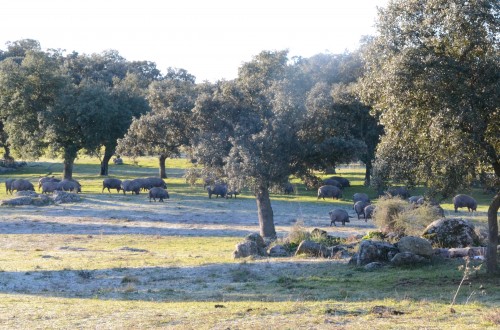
(211,39)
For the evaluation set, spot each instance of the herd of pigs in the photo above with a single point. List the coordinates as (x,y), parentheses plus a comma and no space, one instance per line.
(156,187)
(333,187)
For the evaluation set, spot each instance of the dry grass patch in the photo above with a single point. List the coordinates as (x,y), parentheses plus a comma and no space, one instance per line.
(58,313)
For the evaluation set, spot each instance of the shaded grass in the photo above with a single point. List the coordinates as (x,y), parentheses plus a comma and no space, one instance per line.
(194,269)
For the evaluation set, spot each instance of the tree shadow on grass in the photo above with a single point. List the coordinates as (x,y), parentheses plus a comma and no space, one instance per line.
(280,280)
(180,215)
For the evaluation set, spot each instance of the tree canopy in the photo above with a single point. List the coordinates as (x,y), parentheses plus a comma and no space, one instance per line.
(63,104)
(432,74)
(273,121)
(164,130)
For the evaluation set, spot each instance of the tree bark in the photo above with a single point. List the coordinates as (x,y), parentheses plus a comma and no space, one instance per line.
(491,253)
(6,153)
(69,160)
(163,172)
(108,153)
(265,213)
(368,170)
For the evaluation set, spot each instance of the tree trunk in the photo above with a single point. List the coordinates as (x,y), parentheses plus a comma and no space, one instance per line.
(265,213)
(163,172)
(368,171)
(69,160)
(491,254)
(108,153)
(6,153)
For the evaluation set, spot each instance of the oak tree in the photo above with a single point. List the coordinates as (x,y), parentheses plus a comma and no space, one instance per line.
(433,76)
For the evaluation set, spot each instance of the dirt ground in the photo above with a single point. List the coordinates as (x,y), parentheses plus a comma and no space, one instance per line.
(180,215)
(115,214)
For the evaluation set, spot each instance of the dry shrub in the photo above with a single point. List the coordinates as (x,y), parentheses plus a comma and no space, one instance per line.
(493,317)
(399,216)
(413,221)
(387,212)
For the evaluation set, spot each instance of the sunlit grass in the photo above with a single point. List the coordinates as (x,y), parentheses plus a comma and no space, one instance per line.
(118,314)
(192,282)
(61,251)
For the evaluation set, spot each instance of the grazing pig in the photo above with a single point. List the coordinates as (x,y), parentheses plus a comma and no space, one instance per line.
(41,181)
(148,183)
(8,185)
(131,185)
(360,197)
(332,182)
(232,193)
(415,199)
(359,207)
(111,183)
(21,185)
(217,190)
(464,201)
(157,192)
(69,185)
(287,188)
(49,187)
(398,191)
(329,191)
(343,181)
(339,215)
(369,209)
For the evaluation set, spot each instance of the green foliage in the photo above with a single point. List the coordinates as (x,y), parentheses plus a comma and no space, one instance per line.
(64,104)
(298,233)
(432,74)
(327,240)
(164,130)
(375,235)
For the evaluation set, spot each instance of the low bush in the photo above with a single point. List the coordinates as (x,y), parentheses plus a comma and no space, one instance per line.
(401,217)
(413,221)
(387,212)
(298,233)
(374,236)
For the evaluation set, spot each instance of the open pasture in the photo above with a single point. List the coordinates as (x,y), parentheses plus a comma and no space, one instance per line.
(117,261)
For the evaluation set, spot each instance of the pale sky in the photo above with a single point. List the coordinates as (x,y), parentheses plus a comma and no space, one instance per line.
(209,38)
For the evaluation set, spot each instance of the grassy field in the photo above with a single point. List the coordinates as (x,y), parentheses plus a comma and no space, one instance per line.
(170,267)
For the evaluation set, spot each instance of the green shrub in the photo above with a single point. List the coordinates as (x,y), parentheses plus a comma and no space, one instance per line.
(327,240)
(298,233)
(374,235)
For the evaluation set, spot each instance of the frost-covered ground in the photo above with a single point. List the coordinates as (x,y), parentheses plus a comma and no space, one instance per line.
(116,214)
(180,215)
